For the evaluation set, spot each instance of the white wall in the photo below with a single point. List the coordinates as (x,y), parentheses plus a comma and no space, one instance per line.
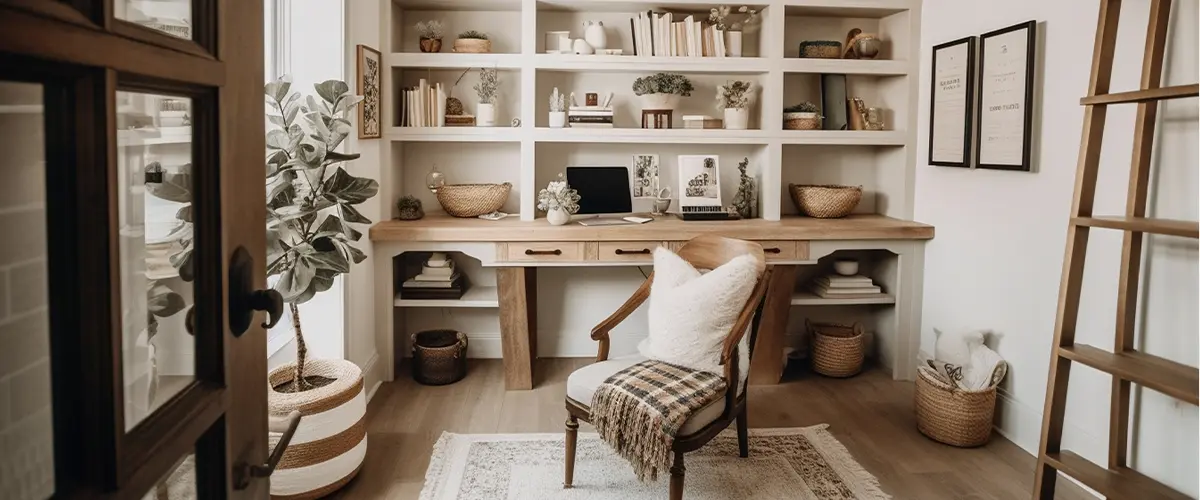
(996,260)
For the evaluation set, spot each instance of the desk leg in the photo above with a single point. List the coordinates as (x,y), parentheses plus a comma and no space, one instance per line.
(518,324)
(766,368)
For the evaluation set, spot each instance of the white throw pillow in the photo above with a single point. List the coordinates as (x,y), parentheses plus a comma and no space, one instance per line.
(691,312)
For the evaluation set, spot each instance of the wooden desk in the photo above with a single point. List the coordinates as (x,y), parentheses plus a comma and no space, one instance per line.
(517,248)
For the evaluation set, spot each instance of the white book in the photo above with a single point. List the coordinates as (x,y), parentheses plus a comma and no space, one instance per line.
(403,108)
(411,105)
(591,125)
(720,43)
(658,38)
(421,96)
(838,278)
(441,105)
(434,278)
(691,37)
(699,39)
(668,45)
(642,34)
(674,34)
(846,292)
(649,45)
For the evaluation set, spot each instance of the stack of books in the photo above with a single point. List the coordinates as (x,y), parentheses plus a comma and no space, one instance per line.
(439,280)
(836,286)
(590,117)
(423,105)
(662,34)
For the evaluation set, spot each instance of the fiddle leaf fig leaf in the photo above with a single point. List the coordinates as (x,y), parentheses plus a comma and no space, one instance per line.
(347,188)
(330,90)
(278,139)
(349,214)
(278,89)
(163,302)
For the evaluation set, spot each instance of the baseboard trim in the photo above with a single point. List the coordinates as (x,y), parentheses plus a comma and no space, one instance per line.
(372,379)
(1026,430)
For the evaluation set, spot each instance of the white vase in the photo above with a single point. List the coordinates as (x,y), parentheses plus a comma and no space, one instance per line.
(737,118)
(595,36)
(558,216)
(582,47)
(733,43)
(558,119)
(485,115)
(659,101)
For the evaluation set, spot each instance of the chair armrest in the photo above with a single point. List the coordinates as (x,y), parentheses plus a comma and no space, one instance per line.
(600,332)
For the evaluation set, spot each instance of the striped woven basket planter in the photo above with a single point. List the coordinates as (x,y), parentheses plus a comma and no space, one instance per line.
(328,448)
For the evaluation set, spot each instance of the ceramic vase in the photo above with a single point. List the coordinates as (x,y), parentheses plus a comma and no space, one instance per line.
(558,216)
(595,36)
(558,119)
(431,45)
(485,115)
(659,101)
(581,47)
(733,43)
(737,118)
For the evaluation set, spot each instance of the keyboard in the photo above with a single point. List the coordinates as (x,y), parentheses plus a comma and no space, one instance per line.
(605,222)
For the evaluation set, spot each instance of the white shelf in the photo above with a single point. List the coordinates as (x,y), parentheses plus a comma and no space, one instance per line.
(476,296)
(20,108)
(844,137)
(459,5)
(452,60)
(810,299)
(632,63)
(153,141)
(454,134)
(846,66)
(652,136)
(847,8)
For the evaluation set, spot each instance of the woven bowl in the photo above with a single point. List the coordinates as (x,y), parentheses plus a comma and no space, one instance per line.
(472,46)
(473,200)
(821,49)
(825,201)
(801,121)
(952,415)
(838,350)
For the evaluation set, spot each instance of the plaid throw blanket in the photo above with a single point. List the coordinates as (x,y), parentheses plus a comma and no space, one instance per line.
(639,410)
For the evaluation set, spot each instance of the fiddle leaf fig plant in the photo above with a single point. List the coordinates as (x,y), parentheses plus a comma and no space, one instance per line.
(310,198)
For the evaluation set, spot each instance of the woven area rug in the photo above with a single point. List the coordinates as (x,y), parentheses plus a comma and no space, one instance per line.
(800,463)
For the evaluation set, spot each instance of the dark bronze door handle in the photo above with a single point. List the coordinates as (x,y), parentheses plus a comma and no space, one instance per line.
(244,299)
(645,251)
(556,251)
(771,250)
(244,472)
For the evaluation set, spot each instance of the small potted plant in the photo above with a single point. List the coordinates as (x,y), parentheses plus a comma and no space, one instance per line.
(734,97)
(558,109)
(473,42)
(718,16)
(803,116)
(486,89)
(559,201)
(662,90)
(431,35)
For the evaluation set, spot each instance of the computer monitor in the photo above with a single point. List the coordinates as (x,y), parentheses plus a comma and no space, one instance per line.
(602,190)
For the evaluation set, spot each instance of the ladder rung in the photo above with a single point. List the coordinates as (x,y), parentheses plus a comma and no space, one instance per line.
(1120,483)
(1185,228)
(1177,380)
(1176,92)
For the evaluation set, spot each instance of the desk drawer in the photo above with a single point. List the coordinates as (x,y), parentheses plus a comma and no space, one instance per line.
(624,251)
(784,250)
(542,251)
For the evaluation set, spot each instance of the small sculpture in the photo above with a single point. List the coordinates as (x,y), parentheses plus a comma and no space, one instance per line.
(581,47)
(595,36)
(409,208)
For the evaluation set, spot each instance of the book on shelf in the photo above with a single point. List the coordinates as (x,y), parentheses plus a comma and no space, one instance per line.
(664,34)
(414,282)
(445,271)
(825,294)
(589,119)
(848,291)
(591,125)
(590,113)
(839,281)
(422,106)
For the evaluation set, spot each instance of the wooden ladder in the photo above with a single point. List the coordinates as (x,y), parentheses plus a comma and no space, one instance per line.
(1124,363)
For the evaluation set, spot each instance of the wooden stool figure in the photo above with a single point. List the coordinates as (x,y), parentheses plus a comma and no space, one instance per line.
(656,118)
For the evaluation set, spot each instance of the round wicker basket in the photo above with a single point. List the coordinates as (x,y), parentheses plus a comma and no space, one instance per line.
(821,49)
(801,121)
(952,415)
(439,356)
(473,200)
(825,201)
(838,350)
(472,46)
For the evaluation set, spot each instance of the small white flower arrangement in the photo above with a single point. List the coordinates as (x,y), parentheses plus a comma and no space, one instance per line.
(718,15)
(557,195)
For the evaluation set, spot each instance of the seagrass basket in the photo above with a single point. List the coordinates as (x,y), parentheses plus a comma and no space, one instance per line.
(802,121)
(825,201)
(439,357)
(838,350)
(950,414)
(473,200)
(472,46)
(821,49)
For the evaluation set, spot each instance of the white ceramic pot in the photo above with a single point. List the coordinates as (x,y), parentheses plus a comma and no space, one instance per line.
(485,115)
(558,217)
(659,101)
(733,43)
(845,267)
(329,445)
(558,119)
(595,36)
(737,118)
(581,47)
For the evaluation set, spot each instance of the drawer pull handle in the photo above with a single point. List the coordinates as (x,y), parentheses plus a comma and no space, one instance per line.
(644,251)
(772,250)
(530,251)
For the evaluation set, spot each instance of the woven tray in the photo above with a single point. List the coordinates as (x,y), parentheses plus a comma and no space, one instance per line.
(821,49)
(473,200)
(952,415)
(825,201)
(838,350)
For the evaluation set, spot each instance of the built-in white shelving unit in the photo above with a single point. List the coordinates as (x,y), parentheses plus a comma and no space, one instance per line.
(476,296)
(531,153)
(810,299)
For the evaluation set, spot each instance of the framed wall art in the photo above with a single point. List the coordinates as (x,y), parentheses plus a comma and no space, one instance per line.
(952,91)
(645,176)
(699,181)
(1003,138)
(370,85)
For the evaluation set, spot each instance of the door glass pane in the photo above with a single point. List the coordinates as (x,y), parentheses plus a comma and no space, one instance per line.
(179,484)
(154,154)
(26,423)
(173,17)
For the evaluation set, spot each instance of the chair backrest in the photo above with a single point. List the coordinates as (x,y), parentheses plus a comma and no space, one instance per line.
(710,252)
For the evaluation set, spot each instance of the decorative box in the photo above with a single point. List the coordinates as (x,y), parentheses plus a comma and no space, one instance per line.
(701,121)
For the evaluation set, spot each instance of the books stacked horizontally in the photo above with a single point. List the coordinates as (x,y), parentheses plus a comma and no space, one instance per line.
(423,105)
(590,117)
(439,280)
(836,286)
(666,35)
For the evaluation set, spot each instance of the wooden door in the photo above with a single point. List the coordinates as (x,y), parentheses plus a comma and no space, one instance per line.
(132,209)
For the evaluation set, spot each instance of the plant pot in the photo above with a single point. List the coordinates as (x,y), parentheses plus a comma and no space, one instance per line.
(328,448)
(737,118)
(558,217)
(801,121)
(659,101)
(558,119)
(733,43)
(472,46)
(485,115)
(431,45)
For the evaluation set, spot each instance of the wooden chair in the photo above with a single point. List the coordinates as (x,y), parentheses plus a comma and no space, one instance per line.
(704,252)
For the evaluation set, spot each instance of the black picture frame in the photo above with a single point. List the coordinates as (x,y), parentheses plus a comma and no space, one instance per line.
(1026,164)
(968,106)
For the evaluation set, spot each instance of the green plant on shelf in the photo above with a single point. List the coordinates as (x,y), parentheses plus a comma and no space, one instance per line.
(472,34)
(663,83)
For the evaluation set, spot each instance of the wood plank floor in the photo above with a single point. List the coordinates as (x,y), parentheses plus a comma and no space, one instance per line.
(871,414)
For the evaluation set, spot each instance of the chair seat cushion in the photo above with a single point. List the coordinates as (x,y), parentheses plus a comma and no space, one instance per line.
(582,383)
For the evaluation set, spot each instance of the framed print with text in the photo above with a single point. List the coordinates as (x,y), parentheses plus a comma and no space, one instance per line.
(1005,111)
(952,87)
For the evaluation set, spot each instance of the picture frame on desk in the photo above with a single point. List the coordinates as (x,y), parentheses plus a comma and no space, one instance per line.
(699,181)
(1003,137)
(952,91)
